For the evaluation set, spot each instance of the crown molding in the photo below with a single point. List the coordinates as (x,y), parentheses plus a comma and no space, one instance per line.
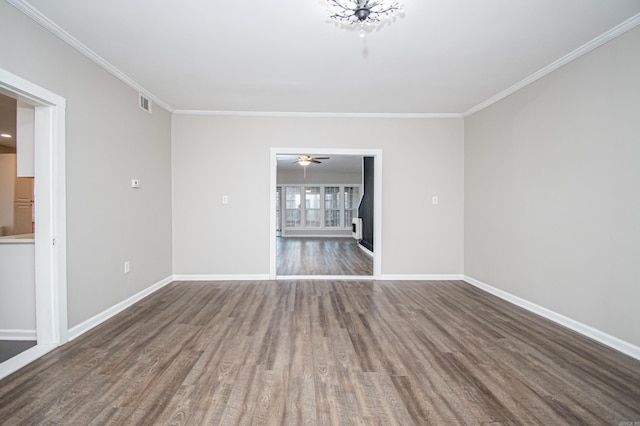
(616,31)
(318,114)
(52,27)
(49,25)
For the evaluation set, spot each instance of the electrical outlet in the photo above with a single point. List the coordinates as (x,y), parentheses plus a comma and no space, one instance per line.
(434,200)
(127,267)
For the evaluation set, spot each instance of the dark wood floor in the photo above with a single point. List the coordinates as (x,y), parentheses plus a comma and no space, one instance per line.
(325,352)
(321,256)
(11,348)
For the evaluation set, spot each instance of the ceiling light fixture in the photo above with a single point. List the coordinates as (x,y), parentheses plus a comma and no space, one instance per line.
(304,163)
(363,12)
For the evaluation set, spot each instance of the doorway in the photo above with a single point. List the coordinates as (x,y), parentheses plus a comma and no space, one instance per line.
(49,243)
(278,209)
(17,266)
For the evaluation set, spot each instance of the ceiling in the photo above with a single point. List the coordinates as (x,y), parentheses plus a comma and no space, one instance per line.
(442,56)
(8,120)
(335,164)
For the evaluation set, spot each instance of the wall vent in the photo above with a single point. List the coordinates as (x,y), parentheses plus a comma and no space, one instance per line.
(145,103)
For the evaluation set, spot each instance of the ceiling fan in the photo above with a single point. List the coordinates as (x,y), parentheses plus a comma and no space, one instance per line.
(305,160)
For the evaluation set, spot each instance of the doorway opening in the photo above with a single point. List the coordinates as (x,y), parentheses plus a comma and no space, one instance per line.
(311,220)
(49,240)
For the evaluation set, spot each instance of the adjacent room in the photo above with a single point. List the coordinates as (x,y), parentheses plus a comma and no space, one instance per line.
(320,210)
(323,212)
(17,225)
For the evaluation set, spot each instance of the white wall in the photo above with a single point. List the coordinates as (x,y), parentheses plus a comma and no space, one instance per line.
(109,141)
(217,155)
(552,191)
(17,289)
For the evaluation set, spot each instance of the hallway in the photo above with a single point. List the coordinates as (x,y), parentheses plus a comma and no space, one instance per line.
(321,256)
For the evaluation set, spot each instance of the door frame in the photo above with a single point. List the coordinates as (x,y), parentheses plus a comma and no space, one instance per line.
(50,211)
(377,202)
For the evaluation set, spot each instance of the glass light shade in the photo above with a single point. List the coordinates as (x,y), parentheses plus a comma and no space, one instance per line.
(362,12)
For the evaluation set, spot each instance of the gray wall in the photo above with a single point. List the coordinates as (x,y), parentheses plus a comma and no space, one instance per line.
(552,191)
(109,141)
(544,184)
(219,155)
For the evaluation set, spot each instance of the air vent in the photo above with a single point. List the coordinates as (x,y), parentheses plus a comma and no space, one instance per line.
(145,103)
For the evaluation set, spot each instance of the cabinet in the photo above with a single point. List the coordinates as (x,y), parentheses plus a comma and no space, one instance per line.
(23,206)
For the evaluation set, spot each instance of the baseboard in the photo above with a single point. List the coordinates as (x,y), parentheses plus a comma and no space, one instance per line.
(325,277)
(222,277)
(421,277)
(87,325)
(14,334)
(588,331)
(317,236)
(365,250)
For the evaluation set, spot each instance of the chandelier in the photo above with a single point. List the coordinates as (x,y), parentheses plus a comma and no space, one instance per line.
(363,12)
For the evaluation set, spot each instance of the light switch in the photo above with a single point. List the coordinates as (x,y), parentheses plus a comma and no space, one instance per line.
(225,199)
(434,200)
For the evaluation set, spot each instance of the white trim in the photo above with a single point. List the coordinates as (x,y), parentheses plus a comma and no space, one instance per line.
(12,334)
(29,91)
(273,189)
(422,277)
(222,277)
(392,115)
(50,240)
(616,31)
(377,214)
(365,250)
(92,322)
(314,235)
(588,331)
(325,277)
(17,362)
(377,201)
(52,27)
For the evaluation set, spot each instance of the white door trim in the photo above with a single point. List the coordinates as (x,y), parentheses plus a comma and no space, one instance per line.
(377,200)
(50,210)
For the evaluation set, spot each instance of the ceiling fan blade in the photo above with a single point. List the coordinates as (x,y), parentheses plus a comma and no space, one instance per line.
(322,158)
(313,160)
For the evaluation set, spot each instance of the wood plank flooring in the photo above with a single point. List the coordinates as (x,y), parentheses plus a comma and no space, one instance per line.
(326,353)
(321,256)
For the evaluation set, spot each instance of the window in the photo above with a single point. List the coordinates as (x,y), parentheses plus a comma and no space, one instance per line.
(351,202)
(312,207)
(318,207)
(332,206)
(292,207)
